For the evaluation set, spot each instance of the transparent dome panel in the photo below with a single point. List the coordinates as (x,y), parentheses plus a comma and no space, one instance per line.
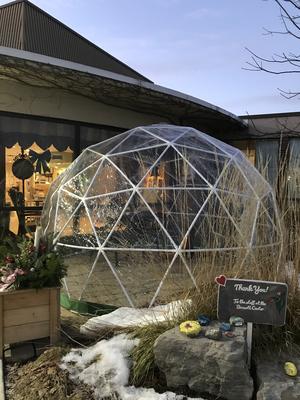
(139,216)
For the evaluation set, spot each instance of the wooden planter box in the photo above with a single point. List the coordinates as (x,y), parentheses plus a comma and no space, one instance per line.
(29,314)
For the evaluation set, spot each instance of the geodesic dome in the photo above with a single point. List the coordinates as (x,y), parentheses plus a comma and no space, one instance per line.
(138,214)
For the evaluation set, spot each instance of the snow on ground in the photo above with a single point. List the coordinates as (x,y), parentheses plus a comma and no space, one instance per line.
(105,368)
(132,393)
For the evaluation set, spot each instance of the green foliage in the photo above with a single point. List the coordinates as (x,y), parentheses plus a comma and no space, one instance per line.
(23,266)
(9,245)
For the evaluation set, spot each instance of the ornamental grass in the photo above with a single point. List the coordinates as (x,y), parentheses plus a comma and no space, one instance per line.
(278,263)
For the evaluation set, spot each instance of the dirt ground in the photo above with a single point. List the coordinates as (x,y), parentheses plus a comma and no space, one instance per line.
(42,379)
(140,273)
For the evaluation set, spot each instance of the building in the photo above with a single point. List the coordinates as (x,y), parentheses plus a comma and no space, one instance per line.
(60,93)
(273,143)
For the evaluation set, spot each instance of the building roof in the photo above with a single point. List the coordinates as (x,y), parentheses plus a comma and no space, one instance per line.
(120,91)
(274,125)
(24,26)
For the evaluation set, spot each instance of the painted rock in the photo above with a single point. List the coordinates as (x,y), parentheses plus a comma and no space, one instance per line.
(290,369)
(225,327)
(203,320)
(229,334)
(213,333)
(190,328)
(236,321)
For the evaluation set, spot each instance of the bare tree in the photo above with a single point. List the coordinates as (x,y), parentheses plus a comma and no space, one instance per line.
(286,62)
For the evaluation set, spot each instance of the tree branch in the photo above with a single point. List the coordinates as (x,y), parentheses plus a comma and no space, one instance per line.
(286,62)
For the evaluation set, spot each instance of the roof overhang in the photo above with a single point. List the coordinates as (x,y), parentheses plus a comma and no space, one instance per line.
(118,90)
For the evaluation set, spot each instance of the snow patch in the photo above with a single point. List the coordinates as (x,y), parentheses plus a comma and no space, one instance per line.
(133,393)
(105,367)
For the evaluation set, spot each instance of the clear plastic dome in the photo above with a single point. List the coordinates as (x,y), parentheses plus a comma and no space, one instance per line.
(137,215)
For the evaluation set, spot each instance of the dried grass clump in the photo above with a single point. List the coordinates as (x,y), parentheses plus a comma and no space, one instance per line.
(42,379)
(288,197)
(142,355)
(277,263)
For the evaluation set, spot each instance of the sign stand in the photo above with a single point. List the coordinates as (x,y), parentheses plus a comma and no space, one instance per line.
(258,302)
(249,342)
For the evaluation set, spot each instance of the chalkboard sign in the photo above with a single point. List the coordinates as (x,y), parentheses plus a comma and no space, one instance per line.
(260,302)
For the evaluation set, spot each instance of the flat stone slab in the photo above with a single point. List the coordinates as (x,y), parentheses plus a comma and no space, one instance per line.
(216,367)
(273,383)
(125,317)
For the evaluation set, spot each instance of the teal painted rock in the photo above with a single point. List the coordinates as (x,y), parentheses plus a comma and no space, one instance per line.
(236,321)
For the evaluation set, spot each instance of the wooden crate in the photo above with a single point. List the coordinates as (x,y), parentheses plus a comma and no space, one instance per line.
(29,314)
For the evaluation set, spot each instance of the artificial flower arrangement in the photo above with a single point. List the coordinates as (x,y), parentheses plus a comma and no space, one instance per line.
(28,267)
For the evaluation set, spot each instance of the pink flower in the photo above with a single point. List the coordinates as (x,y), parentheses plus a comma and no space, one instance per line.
(9,279)
(19,271)
(9,260)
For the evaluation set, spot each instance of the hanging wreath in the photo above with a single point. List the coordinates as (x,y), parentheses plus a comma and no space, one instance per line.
(22,167)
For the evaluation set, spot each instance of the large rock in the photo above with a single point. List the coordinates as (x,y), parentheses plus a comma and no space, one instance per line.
(273,383)
(205,365)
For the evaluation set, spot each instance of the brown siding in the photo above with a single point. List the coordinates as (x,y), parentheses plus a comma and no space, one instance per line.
(11,26)
(27,27)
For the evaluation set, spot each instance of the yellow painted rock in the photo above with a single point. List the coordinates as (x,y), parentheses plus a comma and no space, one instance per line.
(290,369)
(190,328)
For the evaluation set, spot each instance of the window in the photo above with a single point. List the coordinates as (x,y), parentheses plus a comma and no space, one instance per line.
(36,187)
(294,169)
(247,147)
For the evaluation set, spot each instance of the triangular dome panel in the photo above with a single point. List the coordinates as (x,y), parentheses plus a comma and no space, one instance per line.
(104,211)
(108,179)
(79,265)
(136,142)
(81,182)
(176,284)
(64,210)
(136,164)
(215,228)
(79,230)
(140,272)
(175,208)
(266,224)
(195,140)
(208,165)
(138,228)
(102,286)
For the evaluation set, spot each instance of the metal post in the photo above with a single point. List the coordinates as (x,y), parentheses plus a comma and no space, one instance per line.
(37,236)
(249,342)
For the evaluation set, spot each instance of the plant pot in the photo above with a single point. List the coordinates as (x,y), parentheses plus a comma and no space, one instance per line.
(29,314)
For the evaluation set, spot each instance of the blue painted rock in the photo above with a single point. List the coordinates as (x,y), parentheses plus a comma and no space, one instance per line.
(225,327)
(203,320)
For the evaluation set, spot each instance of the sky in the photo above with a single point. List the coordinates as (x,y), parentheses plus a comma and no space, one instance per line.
(194,46)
